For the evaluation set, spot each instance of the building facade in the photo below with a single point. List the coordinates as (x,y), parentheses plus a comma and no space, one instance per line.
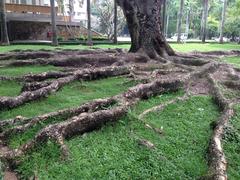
(31,19)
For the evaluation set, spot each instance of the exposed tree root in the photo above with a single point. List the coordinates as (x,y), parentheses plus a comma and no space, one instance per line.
(88,74)
(24,124)
(193,72)
(217,159)
(162,106)
(46,75)
(85,122)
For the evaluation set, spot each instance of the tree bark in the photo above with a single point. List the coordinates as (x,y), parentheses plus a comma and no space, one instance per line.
(54,27)
(4,31)
(223,21)
(89,40)
(145,27)
(205,16)
(179,25)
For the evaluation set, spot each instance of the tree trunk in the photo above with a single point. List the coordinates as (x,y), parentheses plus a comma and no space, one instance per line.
(167,24)
(179,25)
(144,24)
(188,21)
(223,21)
(205,16)
(54,27)
(89,40)
(4,31)
(115,22)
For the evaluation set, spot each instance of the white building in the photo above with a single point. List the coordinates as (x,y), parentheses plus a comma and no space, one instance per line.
(75,9)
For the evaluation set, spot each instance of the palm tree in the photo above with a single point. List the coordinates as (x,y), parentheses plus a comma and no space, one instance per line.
(179,25)
(205,16)
(89,40)
(4,31)
(54,27)
(223,21)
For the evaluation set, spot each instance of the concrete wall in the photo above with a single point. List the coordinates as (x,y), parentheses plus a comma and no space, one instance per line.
(20,30)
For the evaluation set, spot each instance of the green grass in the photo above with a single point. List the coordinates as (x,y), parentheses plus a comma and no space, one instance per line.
(19,71)
(233,60)
(70,95)
(113,152)
(10,88)
(186,47)
(232,146)
(204,47)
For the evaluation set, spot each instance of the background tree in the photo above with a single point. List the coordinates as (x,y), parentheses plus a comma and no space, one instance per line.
(233,20)
(4,31)
(89,40)
(115,22)
(54,27)
(223,20)
(179,24)
(105,11)
(205,18)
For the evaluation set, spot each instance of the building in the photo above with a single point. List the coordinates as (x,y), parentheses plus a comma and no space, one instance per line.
(31,19)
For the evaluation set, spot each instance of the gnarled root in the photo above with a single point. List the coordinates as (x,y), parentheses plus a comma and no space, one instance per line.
(55,85)
(217,159)
(162,106)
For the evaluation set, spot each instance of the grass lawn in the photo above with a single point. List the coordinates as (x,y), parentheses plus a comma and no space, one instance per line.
(10,88)
(113,152)
(19,71)
(70,95)
(233,60)
(186,47)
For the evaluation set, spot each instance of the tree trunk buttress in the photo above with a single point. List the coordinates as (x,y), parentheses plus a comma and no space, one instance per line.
(144,24)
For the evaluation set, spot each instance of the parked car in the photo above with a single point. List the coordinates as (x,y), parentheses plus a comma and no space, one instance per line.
(183,37)
(224,39)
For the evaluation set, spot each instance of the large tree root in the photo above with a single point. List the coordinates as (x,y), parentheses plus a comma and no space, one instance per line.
(162,106)
(89,74)
(217,159)
(185,71)
(24,124)
(88,121)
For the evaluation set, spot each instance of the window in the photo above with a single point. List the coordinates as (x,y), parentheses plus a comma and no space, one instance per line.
(23,1)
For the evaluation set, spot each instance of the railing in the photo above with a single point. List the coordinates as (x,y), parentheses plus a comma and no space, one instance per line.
(24,8)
